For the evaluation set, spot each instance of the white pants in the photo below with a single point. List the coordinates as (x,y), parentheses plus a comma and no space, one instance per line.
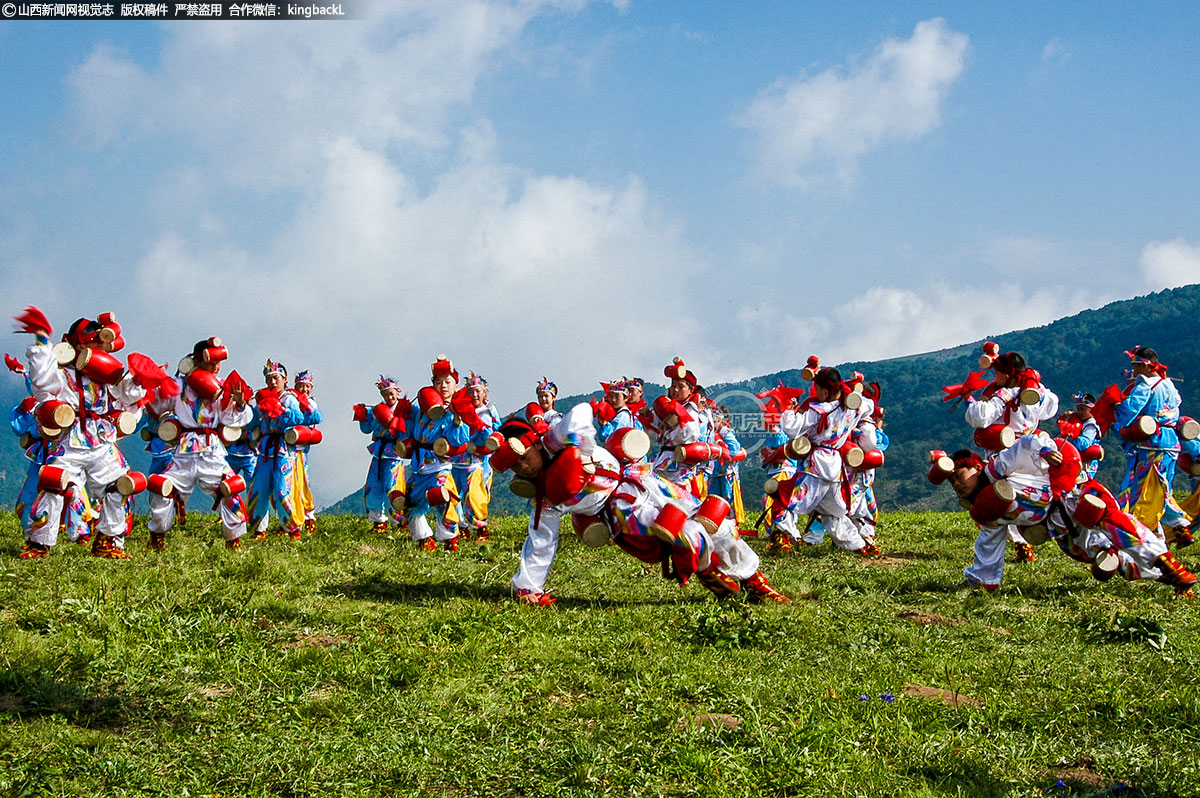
(96,467)
(186,471)
(537,555)
(813,494)
(419,528)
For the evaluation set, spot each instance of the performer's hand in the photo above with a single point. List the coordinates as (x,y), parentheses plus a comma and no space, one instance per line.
(1054,458)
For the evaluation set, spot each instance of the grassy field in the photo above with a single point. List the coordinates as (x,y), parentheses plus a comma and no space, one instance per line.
(351,664)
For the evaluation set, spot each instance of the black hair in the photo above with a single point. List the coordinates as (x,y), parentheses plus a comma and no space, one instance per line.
(1009,363)
(828,378)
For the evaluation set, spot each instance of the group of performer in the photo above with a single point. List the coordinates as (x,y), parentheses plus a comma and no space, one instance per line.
(245,449)
(1022,485)
(660,479)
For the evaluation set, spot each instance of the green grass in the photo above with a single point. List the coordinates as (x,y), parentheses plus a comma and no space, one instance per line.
(350,664)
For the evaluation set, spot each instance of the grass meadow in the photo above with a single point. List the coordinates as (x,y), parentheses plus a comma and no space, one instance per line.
(352,664)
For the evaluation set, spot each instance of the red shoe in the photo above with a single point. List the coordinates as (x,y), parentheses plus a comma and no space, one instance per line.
(297,533)
(759,591)
(234,545)
(720,584)
(483,536)
(1176,575)
(157,542)
(450,545)
(427,544)
(1024,552)
(310,526)
(871,550)
(535,599)
(84,539)
(262,535)
(380,527)
(1182,537)
(34,551)
(104,548)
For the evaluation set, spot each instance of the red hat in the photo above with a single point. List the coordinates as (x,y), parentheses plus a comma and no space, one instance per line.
(443,367)
(679,371)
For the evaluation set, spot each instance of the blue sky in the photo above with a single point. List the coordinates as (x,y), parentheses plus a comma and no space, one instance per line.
(584,190)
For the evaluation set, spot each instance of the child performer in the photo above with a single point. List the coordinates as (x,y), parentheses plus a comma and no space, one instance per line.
(385,423)
(437,435)
(303,386)
(276,411)
(472,469)
(201,407)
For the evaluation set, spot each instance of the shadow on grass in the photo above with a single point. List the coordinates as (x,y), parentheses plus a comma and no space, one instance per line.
(959,777)
(375,588)
(31,693)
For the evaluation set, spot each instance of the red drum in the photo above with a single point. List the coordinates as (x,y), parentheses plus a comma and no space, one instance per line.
(1106,565)
(668,526)
(852,454)
(593,530)
(523,488)
(214,354)
(397,498)
(169,429)
(230,434)
(810,368)
(1090,511)
(159,485)
(996,438)
(712,513)
(231,485)
(1187,429)
(53,413)
(303,436)
(204,384)
(125,422)
(431,402)
(798,448)
(1143,428)
(439,496)
(695,453)
(383,413)
(994,502)
(941,467)
(872,458)
(115,345)
(1188,465)
(131,482)
(1093,452)
(852,400)
(99,366)
(53,479)
(628,445)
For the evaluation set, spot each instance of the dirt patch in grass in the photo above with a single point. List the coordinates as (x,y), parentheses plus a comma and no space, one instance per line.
(930,619)
(211,692)
(887,562)
(714,720)
(933,619)
(947,697)
(318,641)
(11,703)
(1081,772)
(367,550)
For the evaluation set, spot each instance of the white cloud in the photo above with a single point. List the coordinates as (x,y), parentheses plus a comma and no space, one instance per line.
(1170,264)
(809,125)
(1055,53)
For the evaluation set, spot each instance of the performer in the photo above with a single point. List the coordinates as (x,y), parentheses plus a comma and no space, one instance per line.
(1015,400)
(276,410)
(678,422)
(77,510)
(1040,485)
(826,420)
(873,441)
(386,423)
(1082,431)
(637,399)
(1146,419)
(303,386)
(97,390)
(547,393)
(436,435)
(201,409)
(646,515)
(472,469)
(618,414)
(726,480)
